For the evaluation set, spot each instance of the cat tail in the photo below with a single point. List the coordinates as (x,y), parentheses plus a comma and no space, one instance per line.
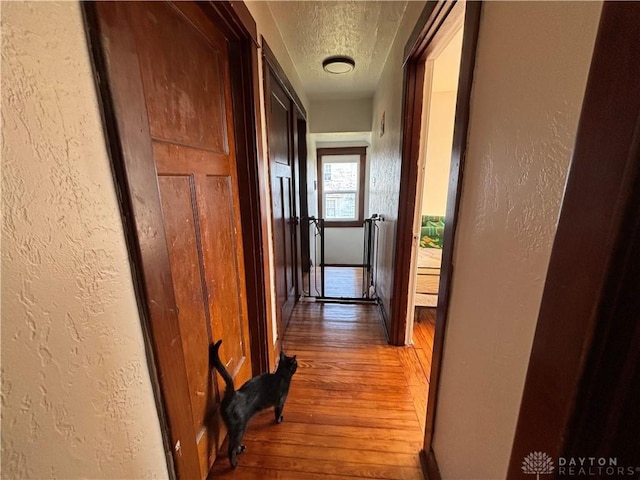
(214,362)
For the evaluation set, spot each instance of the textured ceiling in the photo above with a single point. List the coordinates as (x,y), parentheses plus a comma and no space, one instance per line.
(313,31)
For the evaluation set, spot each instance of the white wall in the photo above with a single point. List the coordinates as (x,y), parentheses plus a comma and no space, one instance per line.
(442,112)
(384,185)
(343,246)
(341,115)
(76,396)
(532,64)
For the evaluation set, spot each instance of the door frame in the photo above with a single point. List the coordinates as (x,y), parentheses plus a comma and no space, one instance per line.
(362,171)
(303,206)
(270,59)
(124,117)
(580,377)
(435,22)
(273,71)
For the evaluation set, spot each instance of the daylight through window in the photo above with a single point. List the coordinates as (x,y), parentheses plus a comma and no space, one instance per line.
(341,178)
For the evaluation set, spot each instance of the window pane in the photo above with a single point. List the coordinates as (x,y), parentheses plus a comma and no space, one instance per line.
(340,206)
(340,176)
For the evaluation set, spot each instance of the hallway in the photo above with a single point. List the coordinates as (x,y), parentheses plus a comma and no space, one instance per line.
(355,408)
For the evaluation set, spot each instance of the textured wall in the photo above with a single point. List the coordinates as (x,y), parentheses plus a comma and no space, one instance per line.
(341,116)
(532,64)
(76,396)
(384,185)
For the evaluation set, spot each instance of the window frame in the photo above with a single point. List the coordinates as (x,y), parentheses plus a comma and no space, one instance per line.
(326,152)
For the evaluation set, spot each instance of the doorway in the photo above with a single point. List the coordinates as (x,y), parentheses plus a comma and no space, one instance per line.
(438,118)
(343,238)
(437,28)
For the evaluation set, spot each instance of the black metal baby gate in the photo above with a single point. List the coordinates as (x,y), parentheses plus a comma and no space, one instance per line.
(315,279)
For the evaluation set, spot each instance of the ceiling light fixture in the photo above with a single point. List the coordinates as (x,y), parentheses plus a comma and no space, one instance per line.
(338,65)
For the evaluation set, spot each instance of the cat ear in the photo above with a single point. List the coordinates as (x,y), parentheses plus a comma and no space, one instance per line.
(294,357)
(282,355)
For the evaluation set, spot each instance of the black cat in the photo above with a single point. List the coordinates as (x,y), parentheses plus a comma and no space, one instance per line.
(264,391)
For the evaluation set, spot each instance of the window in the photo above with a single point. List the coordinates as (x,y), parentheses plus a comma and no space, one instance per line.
(341,186)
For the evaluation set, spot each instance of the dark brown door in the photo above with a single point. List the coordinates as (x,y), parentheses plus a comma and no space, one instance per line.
(282,171)
(182,88)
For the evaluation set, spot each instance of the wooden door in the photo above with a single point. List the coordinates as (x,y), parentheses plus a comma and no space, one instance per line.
(282,172)
(168,68)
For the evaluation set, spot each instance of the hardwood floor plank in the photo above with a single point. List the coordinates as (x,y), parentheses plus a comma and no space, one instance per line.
(332,367)
(420,394)
(338,403)
(331,453)
(264,424)
(330,385)
(423,332)
(363,353)
(413,371)
(254,473)
(353,332)
(347,443)
(424,356)
(335,320)
(379,379)
(336,340)
(332,467)
(370,422)
(359,397)
(352,411)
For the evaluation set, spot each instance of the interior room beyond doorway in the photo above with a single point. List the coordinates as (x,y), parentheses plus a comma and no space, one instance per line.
(440,92)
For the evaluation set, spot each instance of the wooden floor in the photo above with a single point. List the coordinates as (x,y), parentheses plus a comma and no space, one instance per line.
(340,282)
(424,327)
(356,407)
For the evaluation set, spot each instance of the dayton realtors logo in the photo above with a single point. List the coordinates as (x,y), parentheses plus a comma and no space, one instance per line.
(540,463)
(537,463)
(594,466)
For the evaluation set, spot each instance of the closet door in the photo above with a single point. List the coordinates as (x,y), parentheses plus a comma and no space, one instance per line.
(168,71)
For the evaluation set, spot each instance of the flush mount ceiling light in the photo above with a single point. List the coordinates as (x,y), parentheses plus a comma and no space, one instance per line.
(338,65)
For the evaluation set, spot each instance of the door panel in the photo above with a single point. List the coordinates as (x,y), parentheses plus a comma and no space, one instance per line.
(188,103)
(289,235)
(224,271)
(176,193)
(185,98)
(280,127)
(282,172)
